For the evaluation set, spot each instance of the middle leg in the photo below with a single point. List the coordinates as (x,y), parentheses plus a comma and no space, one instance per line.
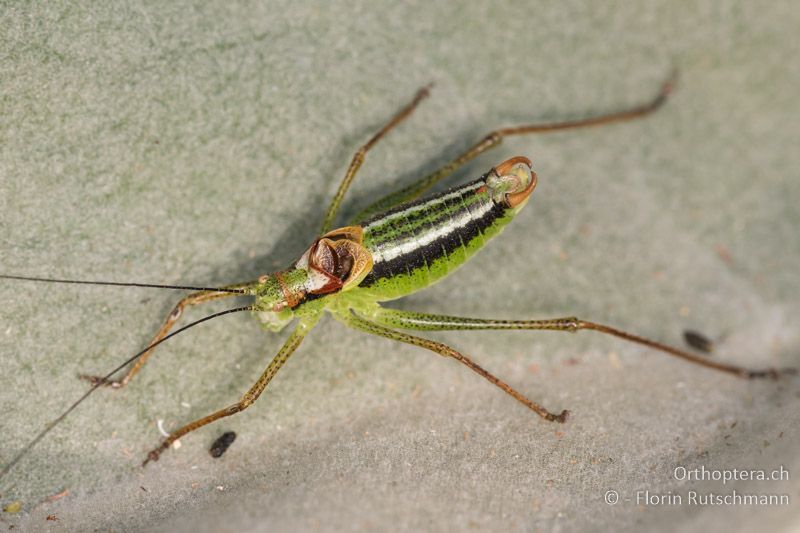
(360,155)
(359,323)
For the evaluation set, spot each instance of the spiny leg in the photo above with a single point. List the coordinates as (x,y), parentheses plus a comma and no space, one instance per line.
(494,139)
(249,397)
(429,322)
(358,157)
(175,314)
(446,351)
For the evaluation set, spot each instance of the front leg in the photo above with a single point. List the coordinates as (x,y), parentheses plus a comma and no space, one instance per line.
(193,299)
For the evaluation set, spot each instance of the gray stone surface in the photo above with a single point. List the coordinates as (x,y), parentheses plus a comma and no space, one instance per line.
(183,144)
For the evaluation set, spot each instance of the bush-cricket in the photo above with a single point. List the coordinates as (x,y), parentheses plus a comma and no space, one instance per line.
(400,244)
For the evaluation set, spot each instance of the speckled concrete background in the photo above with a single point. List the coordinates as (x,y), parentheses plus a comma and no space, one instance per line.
(183,144)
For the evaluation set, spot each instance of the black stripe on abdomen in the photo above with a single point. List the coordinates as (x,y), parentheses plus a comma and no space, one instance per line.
(468,220)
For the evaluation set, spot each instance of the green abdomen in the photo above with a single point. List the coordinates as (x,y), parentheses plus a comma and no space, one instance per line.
(416,244)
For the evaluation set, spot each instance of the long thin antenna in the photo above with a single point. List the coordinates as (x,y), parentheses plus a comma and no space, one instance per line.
(99,383)
(120,284)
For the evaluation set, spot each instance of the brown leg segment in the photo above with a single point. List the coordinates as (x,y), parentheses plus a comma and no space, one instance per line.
(747,373)
(494,138)
(169,322)
(446,351)
(249,397)
(358,158)
(428,322)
